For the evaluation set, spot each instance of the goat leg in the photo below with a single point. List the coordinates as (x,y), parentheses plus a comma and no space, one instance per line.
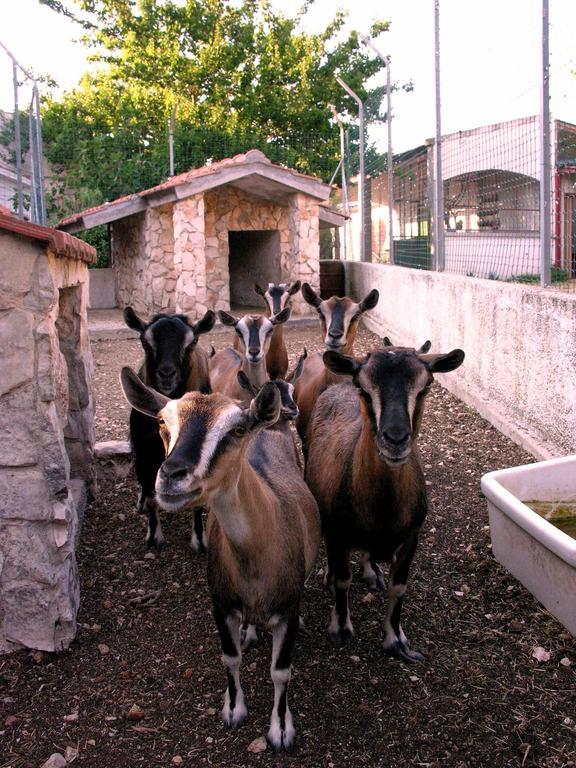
(372,574)
(154,533)
(281,732)
(234,711)
(340,629)
(198,542)
(395,641)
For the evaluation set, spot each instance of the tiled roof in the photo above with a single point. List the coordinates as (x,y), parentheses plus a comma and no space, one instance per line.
(59,243)
(252,156)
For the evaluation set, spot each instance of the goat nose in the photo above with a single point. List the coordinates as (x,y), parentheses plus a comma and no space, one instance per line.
(253,351)
(166,371)
(396,435)
(334,333)
(172,470)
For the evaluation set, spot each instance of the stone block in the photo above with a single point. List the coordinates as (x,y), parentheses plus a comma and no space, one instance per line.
(18,428)
(16,349)
(24,494)
(16,281)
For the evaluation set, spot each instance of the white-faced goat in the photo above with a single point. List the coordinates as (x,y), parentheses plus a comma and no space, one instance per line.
(254,333)
(339,318)
(173,364)
(277,296)
(263,525)
(364,471)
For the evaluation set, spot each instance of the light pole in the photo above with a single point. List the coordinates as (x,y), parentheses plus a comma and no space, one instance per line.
(545,229)
(390,157)
(438,181)
(345,205)
(362,185)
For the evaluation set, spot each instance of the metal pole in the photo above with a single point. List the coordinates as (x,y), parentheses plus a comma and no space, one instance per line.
(439,260)
(18,147)
(39,153)
(171,139)
(362,185)
(545,169)
(34,214)
(342,166)
(390,157)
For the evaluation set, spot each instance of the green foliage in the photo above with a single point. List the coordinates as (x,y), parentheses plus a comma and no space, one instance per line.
(557,275)
(237,75)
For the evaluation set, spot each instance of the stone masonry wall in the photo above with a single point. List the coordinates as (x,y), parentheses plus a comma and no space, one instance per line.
(303,254)
(143,258)
(231,209)
(46,439)
(189,256)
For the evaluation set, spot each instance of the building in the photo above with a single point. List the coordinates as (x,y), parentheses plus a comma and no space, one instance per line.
(202,239)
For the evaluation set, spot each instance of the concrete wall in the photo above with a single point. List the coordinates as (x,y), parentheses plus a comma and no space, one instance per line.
(496,253)
(520,344)
(102,288)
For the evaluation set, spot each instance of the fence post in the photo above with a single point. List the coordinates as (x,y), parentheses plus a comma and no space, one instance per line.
(18,146)
(439,260)
(362,185)
(545,155)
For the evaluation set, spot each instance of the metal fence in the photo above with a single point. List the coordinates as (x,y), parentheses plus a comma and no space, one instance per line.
(507,204)
(21,155)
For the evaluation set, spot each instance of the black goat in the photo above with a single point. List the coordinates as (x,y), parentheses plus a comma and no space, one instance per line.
(173,365)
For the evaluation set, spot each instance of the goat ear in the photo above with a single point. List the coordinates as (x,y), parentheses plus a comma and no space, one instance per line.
(227,319)
(370,301)
(133,321)
(387,342)
(340,364)
(444,363)
(246,384)
(294,288)
(281,317)
(265,407)
(293,377)
(140,396)
(260,291)
(310,296)
(205,324)
(425,347)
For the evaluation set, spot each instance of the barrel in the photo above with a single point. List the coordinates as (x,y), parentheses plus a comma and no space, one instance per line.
(332,278)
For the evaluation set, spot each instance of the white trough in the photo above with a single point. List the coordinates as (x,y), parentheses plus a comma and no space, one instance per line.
(537,553)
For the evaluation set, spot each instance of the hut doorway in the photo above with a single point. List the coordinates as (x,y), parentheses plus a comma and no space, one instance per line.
(254,257)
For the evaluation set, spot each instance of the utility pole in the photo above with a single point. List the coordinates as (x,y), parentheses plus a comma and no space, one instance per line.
(362,186)
(545,155)
(390,157)
(439,259)
(345,206)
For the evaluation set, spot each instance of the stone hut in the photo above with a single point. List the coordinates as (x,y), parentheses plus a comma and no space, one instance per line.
(201,239)
(46,430)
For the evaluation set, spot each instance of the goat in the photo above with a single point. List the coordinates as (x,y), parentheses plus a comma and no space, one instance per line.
(365,473)
(254,333)
(173,364)
(339,319)
(277,296)
(263,525)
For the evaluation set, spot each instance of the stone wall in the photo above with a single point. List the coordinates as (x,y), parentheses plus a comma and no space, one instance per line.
(189,256)
(143,259)
(520,366)
(302,260)
(46,436)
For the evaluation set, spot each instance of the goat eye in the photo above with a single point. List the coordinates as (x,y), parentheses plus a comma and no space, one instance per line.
(161,423)
(239,431)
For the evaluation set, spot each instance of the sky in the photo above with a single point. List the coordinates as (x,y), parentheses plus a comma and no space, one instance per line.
(490,57)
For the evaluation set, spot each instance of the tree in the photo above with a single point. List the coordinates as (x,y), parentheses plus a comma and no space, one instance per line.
(239,75)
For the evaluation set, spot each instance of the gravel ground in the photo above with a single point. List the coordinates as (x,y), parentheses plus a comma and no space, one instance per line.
(142,685)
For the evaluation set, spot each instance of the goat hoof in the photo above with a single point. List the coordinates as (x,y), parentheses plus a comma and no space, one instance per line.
(234,718)
(197,546)
(281,738)
(341,636)
(155,545)
(401,650)
(248,637)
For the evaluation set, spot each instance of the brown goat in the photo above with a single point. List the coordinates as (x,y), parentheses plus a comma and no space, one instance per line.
(254,333)
(263,526)
(365,473)
(339,318)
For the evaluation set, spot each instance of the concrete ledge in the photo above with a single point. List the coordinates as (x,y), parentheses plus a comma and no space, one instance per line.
(520,366)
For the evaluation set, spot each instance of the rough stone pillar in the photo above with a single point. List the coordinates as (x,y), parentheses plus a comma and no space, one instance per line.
(302,259)
(46,431)
(190,256)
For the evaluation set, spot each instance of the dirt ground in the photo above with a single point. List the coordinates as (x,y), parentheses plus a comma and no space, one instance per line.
(143,685)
